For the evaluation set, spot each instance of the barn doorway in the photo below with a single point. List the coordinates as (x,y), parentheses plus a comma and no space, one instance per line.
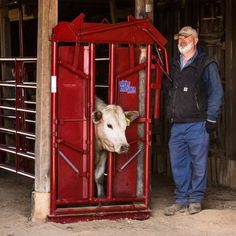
(209,16)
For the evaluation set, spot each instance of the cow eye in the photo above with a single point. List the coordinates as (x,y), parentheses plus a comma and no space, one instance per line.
(109,126)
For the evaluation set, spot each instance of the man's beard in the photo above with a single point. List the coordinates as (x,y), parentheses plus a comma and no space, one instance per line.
(185,49)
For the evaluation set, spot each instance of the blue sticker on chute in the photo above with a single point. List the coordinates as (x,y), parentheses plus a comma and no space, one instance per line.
(125,87)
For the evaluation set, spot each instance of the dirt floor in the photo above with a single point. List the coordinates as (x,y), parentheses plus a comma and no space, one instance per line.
(218,217)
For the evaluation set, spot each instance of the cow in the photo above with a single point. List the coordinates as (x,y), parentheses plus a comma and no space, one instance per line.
(110,122)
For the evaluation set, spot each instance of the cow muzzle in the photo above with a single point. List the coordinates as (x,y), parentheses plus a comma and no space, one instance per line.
(124,148)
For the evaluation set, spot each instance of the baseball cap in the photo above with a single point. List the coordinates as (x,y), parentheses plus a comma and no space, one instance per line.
(186,31)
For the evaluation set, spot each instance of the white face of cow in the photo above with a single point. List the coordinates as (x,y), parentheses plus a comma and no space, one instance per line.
(110,126)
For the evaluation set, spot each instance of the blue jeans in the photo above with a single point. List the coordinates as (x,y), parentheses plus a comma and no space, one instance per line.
(188,146)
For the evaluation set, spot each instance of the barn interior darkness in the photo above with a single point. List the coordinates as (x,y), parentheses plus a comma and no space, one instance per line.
(169,16)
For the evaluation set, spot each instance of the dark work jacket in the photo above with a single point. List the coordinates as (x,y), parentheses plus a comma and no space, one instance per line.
(188,95)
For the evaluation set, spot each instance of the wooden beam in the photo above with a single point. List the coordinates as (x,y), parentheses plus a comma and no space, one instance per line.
(47,19)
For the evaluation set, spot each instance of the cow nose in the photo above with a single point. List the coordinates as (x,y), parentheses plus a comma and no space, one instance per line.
(124,148)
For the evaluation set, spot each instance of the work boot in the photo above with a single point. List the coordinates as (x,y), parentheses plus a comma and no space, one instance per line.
(194,208)
(171,210)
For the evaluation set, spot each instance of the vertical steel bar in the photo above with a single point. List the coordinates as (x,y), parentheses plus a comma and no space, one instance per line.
(54,128)
(17,113)
(86,117)
(147,128)
(112,89)
(91,129)
(112,84)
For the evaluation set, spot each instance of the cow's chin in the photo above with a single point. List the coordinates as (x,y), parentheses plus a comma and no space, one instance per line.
(112,148)
(108,147)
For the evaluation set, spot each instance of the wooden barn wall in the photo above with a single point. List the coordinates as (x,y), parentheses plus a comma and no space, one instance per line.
(214,21)
(228,165)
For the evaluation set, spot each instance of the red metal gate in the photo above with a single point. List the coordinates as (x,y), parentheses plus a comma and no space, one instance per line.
(89,58)
(17,115)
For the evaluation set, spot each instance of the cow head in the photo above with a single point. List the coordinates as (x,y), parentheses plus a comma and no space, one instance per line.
(110,125)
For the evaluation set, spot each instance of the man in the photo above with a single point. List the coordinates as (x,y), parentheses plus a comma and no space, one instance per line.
(195,100)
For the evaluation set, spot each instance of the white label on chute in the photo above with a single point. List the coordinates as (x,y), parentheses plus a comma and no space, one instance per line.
(53,84)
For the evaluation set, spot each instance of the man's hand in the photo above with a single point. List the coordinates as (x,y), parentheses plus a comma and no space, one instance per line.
(210,126)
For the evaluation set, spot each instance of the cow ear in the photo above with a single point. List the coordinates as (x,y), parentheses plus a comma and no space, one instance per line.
(131,115)
(96,116)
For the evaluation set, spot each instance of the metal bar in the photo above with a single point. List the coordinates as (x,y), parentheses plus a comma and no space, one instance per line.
(91,129)
(13,117)
(4,84)
(54,128)
(18,109)
(112,81)
(31,153)
(25,86)
(148,127)
(102,59)
(13,100)
(62,121)
(10,149)
(125,199)
(8,99)
(131,71)
(13,131)
(122,208)
(9,81)
(8,117)
(111,101)
(130,159)
(26,110)
(18,172)
(85,111)
(110,27)
(66,159)
(30,83)
(101,86)
(153,36)
(30,102)
(7,130)
(26,174)
(31,138)
(73,70)
(8,108)
(63,142)
(30,121)
(23,154)
(7,168)
(10,59)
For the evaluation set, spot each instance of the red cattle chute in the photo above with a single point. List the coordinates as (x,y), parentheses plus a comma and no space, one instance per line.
(75,69)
